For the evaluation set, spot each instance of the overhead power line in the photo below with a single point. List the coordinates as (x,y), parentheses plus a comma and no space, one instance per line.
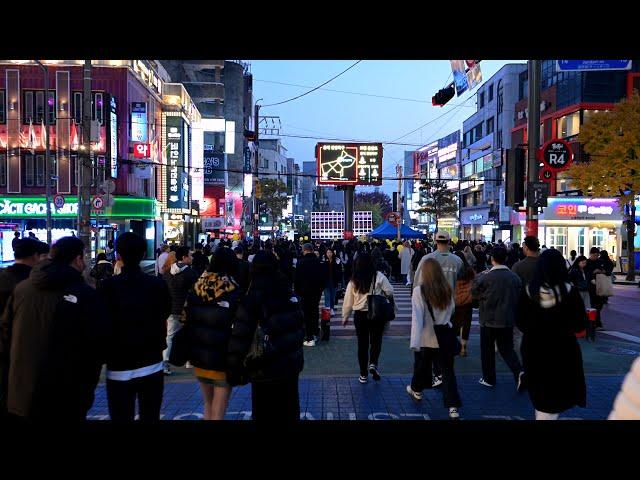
(313,89)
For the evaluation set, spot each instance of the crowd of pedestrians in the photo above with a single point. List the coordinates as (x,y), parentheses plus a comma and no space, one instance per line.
(243,312)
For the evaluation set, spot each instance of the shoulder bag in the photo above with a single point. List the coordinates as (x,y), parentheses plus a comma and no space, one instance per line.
(447,339)
(379,308)
(604,285)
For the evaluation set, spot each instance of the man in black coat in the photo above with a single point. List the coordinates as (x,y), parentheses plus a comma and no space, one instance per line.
(28,253)
(53,335)
(242,269)
(309,283)
(180,280)
(200,261)
(137,306)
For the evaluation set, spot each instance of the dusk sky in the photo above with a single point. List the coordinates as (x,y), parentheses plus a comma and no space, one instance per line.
(330,114)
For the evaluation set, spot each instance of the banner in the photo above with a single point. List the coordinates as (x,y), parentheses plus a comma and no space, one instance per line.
(459,76)
(175,175)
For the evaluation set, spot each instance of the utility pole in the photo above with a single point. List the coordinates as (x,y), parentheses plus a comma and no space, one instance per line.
(533,132)
(84,197)
(399,173)
(47,156)
(255,175)
(348,211)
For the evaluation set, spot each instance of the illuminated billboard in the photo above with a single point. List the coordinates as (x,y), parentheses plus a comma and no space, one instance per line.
(349,163)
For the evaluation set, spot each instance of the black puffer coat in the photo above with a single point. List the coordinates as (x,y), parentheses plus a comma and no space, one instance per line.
(209,322)
(268,301)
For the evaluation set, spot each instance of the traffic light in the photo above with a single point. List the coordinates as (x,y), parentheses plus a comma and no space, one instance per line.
(264,213)
(443,96)
(258,190)
(514,186)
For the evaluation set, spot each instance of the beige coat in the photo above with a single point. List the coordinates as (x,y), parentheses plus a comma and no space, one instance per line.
(627,403)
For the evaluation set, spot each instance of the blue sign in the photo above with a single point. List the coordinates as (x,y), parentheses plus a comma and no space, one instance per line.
(591,65)
(247,160)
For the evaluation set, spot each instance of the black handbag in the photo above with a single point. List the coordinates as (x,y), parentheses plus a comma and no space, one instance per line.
(448,341)
(259,346)
(379,308)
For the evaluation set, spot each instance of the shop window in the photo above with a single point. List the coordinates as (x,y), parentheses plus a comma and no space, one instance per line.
(77,107)
(597,238)
(3,170)
(39,107)
(97,108)
(101,168)
(479,165)
(477,197)
(581,245)
(28,170)
(557,238)
(39,170)
(52,108)
(76,169)
(569,125)
(3,115)
(28,108)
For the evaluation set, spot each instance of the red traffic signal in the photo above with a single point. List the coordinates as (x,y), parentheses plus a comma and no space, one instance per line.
(443,96)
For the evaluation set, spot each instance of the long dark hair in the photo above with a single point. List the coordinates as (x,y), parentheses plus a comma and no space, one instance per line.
(576,263)
(223,262)
(551,271)
(469,272)
(363,273)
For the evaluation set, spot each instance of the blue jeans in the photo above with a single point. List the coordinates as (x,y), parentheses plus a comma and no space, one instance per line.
(330,296)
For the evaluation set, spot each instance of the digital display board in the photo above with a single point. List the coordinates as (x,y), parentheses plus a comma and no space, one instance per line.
(349,163)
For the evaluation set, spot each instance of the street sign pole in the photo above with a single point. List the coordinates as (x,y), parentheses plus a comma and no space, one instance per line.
(533,132)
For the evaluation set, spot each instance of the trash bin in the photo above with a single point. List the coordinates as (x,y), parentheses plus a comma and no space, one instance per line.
(325,324)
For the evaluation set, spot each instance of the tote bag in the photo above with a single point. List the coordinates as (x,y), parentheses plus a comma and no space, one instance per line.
(604,285)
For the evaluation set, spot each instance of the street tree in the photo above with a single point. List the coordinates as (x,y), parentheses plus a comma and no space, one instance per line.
(440,202)
(374,198)
(273,194)
(611,140)
(374,208)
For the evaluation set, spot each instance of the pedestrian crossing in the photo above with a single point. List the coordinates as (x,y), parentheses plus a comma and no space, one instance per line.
(400,326)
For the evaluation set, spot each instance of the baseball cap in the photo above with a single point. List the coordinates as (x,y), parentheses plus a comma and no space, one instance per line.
(442,237)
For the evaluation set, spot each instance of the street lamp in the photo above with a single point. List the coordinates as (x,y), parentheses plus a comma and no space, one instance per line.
(46,152)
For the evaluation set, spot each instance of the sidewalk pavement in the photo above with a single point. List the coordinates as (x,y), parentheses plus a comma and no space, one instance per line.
(329,388)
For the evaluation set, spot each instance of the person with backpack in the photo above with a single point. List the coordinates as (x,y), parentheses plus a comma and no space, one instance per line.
(137,307)
(366,280)
(265,348)
(53,339)
(102,270)
(463,313)
(550,313)
(432,336)
(211,309)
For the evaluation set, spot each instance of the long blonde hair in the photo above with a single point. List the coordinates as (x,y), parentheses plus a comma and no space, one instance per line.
(171,259)
(435,288)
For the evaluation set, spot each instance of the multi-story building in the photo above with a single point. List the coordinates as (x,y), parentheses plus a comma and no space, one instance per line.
(438,160)
(129,99)
(222,91)
(568,100)
(486,136)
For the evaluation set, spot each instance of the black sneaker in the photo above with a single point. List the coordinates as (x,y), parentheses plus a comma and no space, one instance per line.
(373,370)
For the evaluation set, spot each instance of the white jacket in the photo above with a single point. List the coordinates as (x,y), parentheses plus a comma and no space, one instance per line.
(358,301)
(627,403)
(422,333)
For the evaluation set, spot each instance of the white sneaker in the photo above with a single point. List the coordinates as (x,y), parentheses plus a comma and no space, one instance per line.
(333,313)
(188,365)
(310,343)
(437,381)
(417,396)
(167,371)
(453,413)
(482,381)
(362,379)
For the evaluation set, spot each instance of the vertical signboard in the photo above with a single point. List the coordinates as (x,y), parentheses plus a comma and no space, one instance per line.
(214,167)
(173,142)
(139,130)
(113,148)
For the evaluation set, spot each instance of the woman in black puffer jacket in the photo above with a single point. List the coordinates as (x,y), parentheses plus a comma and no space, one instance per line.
(211,309)
(269,303)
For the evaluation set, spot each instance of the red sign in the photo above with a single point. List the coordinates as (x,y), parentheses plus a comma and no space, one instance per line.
(347,234)
(141,150)
(556,155)
(567,210)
